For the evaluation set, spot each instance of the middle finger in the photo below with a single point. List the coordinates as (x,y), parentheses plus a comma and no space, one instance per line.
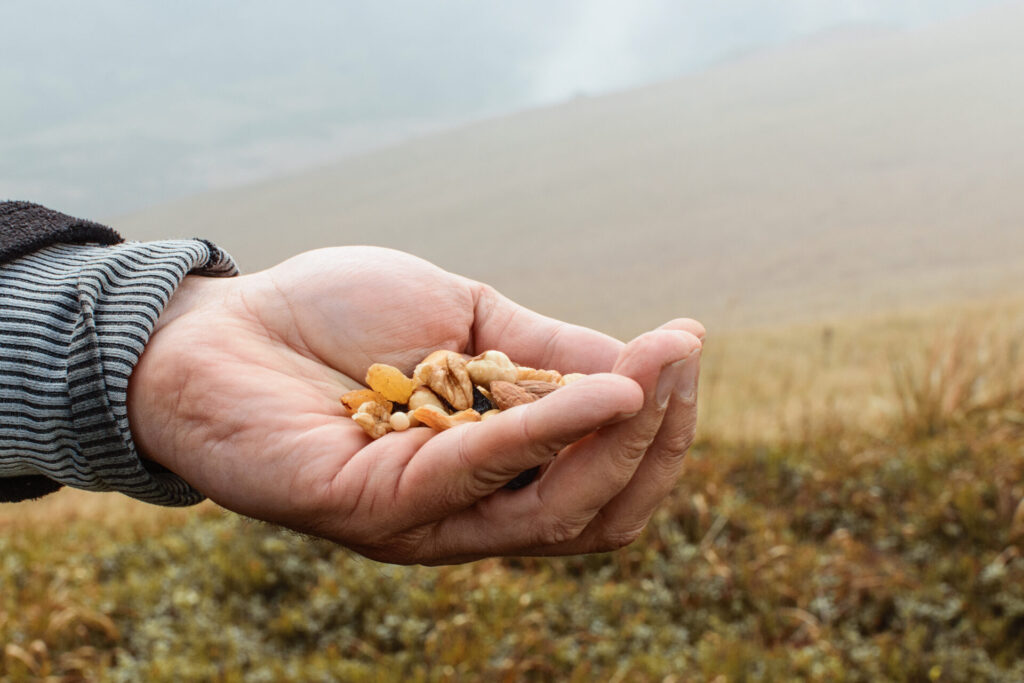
(614,452)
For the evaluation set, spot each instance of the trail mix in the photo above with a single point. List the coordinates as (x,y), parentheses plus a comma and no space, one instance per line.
(447,389)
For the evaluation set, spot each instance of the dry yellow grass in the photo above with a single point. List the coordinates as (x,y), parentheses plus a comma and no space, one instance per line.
(70,507)
(768,384)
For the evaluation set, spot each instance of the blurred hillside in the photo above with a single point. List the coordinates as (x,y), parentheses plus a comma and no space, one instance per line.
(857,171)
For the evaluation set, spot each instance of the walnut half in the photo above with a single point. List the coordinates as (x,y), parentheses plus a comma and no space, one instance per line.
(445,373)
(374,418)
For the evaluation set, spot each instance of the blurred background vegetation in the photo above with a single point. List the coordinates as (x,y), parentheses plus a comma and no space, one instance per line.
(807,540)
(833,188)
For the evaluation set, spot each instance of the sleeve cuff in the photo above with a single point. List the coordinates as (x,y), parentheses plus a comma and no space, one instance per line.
(74,321)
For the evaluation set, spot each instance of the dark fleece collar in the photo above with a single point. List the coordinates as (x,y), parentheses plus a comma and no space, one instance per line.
(26,227)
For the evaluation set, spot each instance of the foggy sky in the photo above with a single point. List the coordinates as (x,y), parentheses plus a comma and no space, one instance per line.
(111,105)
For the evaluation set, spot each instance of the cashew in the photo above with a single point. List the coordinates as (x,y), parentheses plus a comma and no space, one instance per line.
(491,366)
(425,397)
(440,421)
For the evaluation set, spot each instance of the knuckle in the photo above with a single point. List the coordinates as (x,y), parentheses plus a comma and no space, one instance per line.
(403,548)
(558,531)
(633,446)
(615,539)
(467,488)
(539,446)
(620,471)
(480,484)
(474,482)
(455,492)
(680,441)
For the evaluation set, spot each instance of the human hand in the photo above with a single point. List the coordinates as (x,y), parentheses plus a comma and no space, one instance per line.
(237,392)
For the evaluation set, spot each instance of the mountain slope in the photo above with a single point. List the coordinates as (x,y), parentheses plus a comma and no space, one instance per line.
(830,177)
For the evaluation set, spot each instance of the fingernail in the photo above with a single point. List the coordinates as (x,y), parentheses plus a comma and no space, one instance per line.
(686,386)
(667,382)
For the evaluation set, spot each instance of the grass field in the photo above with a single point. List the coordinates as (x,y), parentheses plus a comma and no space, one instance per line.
(852,511)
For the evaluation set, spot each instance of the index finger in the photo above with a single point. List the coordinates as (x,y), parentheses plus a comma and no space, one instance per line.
(542,342)
(456,468)
(537,340)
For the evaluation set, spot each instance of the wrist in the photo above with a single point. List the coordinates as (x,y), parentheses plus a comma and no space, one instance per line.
(195,291)
(157,381)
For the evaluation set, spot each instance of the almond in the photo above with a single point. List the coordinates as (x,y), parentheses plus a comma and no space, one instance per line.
(507,395)
(537,388)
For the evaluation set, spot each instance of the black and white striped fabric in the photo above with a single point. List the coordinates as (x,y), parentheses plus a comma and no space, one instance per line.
(74,320)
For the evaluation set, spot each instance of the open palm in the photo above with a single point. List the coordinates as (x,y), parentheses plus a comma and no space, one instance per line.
(238,391)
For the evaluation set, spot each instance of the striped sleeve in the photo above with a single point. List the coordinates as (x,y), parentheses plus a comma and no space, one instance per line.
(74,320)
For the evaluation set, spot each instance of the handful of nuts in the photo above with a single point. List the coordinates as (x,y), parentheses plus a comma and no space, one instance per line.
(447,389)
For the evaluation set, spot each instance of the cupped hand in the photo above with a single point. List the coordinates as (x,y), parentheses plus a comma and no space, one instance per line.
(237,392)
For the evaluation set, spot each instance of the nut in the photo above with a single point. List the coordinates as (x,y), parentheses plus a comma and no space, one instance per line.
(390,382)
(507,395)
(464,417)
(374,418)
(400,421)
(491,366)
(354,399)
(525,373)
(425,397)
(429,410)
(440,421)
(447,390)
(445,373)
(538,388)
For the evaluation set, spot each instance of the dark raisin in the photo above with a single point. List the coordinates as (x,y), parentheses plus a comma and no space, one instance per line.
(399,408)
(523,478)
(480,402)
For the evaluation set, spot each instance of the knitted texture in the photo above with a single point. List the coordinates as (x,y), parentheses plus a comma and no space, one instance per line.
(74,320)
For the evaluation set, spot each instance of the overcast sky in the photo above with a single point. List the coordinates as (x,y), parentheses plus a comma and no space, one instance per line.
(112,105)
